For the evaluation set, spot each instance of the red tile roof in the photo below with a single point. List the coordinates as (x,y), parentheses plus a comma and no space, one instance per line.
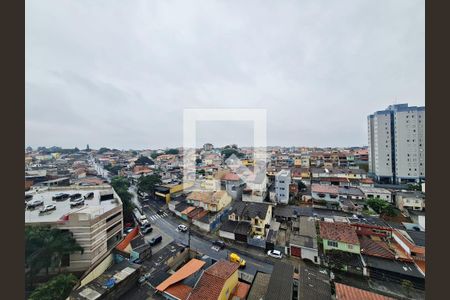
(212,281)
(375,248)
(178,290)
(326,189)
(231,177)
(241,291)
(345,292)
(341,232)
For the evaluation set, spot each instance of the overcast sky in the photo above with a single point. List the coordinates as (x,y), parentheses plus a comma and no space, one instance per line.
(119,73)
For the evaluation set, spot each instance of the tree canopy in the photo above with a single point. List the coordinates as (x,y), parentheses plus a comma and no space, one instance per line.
(230,151)
(45,248)
(121,185)
(58,288)
(380,206)
(172,151)
(144,160)
(148,183)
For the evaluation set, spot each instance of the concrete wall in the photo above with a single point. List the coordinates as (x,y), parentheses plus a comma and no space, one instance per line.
(342,247)
(98,270)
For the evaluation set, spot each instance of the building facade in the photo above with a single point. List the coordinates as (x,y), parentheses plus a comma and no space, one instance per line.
(282,182)
(397,144)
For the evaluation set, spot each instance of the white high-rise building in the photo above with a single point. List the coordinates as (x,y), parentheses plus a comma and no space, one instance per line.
(397,143)
(282,182)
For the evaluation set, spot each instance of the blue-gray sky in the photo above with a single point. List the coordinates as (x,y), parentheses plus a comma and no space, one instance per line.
(119,73)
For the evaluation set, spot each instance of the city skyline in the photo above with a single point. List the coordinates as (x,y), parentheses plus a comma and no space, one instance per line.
(121,76)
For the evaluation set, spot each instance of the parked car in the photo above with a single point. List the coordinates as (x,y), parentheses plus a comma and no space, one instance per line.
(219,243)
(137,261)
(147,228)
(127,230)
(60,197)
(144,277)
(275,254)
(155,241)
(89,195)
(47,208)
(34,203)
(182,228)
(77,202)
(75,196)
(28,197)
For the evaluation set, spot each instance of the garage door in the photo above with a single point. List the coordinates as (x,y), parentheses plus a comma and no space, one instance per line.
(296,251)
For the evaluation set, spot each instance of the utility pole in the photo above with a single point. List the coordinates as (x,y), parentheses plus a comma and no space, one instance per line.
(189,235)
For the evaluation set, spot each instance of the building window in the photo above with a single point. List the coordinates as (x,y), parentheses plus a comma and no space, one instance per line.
(332,244)
(350,246)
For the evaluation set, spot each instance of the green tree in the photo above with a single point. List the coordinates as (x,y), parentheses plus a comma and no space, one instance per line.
(390,211)
(154,155)
(103,150)
(378,205)
(144,160)
(172,151)
(121,185)
(230,151)
(45,248)
(58,288)
(148,183)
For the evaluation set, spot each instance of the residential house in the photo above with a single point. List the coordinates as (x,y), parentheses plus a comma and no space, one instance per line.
(410,200)
(256,187)
(177,285)
(258,215)
(303,239)
(211,201)
(325,195)
(233,184)
(218,282)
(376,193)
(339,236)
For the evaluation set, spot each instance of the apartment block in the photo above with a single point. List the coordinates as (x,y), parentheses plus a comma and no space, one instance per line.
(397,144)
(282,182)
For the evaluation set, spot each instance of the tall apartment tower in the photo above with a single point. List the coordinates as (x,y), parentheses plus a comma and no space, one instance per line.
(397,144)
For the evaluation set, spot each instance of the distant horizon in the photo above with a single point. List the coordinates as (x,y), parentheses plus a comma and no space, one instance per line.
(199,147)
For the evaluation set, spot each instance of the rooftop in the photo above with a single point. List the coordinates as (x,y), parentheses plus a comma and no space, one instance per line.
(185,271)
(92,207)
(313,284)
(326,189)
(346,292)
(280,284)
(339,232)
(259,287)
(213,280)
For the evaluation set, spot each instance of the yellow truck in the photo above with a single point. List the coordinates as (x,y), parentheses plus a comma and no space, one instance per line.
(236,259)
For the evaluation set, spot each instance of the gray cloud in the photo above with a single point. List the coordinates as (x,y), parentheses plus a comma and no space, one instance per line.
(119,75)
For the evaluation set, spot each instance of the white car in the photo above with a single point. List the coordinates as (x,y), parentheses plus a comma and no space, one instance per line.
(47,208)
(274,254)
(182,228)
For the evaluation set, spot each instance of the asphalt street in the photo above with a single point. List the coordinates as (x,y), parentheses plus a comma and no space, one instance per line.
(166,226)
